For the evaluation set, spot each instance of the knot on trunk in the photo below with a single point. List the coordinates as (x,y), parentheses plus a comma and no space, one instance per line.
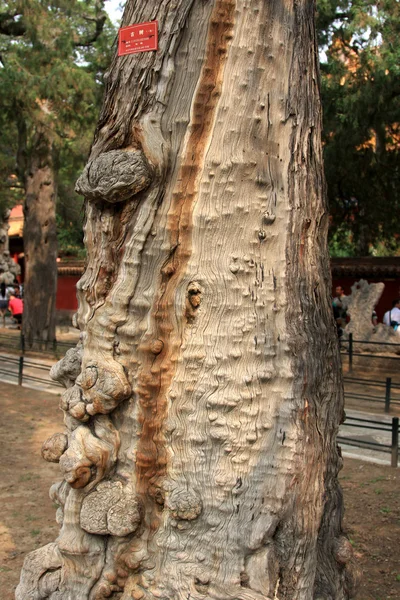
(344,555)
(90,457)
(72,402)
(58,494)
(115,176)
(193,299)
(41,573)
(111,509)
(54,447)
(105,590)
(68,368)
(184,505)
(343,550)
(269,218)
(104,386)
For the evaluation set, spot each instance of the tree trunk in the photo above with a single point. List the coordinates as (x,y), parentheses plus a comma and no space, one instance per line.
(40,242)
(203,404)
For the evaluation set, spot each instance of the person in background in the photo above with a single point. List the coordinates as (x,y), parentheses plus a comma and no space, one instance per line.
(392,317)
(9,290)
(16,307)
(338,321)
(3,302)
(17,290)
(340,300)
(339,304)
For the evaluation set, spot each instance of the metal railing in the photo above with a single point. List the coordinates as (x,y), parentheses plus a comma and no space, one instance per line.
(17,343)
(391,428)
(387,398)
(351,353)
(21,364)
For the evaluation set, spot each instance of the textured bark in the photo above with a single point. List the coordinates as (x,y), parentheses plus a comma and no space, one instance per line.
(40,242)
(203,402)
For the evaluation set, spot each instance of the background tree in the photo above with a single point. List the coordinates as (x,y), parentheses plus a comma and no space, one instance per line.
(52,56)
(202,407)
(361,100)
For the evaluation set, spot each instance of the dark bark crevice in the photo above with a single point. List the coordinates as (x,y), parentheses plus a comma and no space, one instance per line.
(317,378)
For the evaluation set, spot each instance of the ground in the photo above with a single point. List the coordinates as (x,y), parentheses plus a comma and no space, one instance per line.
(372,523)
(27,519)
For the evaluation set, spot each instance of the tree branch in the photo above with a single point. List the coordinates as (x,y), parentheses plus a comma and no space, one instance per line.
(99,20)
(8,25)
(99,28)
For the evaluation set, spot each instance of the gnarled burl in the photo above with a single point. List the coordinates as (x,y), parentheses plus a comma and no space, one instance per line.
(202,404)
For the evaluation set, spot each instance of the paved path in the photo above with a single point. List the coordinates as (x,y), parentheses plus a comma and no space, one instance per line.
(351,430)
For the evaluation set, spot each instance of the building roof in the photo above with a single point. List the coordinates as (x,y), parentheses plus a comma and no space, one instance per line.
(16,221)
(70,268)
(370,266)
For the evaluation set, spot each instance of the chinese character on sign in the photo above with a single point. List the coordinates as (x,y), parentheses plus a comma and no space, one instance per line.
(128,44)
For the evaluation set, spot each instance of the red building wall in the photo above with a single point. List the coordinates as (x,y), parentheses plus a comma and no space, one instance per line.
(66,292)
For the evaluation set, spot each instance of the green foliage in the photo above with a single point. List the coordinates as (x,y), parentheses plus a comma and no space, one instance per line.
(361,102)
(70,238)
(52,58)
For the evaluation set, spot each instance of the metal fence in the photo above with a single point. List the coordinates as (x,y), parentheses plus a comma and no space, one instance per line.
(351,342)
(391,428)
(17,343)
(388,399)
(20,368)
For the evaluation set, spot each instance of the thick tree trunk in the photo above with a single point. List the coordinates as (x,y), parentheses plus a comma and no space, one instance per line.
(40,243)
(202,406)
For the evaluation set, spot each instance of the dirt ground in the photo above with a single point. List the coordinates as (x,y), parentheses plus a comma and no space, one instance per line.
(27,519)
(372,523)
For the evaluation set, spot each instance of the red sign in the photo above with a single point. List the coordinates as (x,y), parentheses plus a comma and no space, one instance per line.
(138,38)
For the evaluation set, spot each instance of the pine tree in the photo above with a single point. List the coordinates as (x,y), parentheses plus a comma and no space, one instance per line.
(361,102)
(52,54)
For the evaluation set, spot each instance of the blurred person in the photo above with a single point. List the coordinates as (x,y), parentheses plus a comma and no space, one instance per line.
(391,318)
(16,306)
(340,300)
(3,302)
(339,304)
(9,290)
(17,290)
(338,321)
